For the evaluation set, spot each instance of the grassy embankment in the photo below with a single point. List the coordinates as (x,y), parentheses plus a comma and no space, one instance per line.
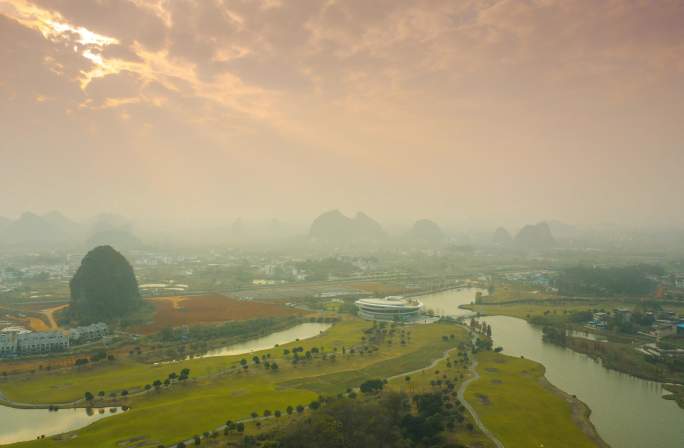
(514,400)
(617,353)
(217,391)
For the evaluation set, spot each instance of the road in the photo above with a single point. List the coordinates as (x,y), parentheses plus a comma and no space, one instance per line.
(50,314)
(461,396)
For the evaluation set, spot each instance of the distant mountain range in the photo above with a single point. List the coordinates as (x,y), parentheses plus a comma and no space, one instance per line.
(502,237)
(426,231)
(333,226)
(535,236)
(532,236)
(56,230)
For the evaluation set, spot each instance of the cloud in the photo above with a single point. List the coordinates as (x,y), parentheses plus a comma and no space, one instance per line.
(403,88)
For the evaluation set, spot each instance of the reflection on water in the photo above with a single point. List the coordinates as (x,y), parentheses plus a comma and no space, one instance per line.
(301,331)
(628,412)
(446,303)
(18,425)
(587,335)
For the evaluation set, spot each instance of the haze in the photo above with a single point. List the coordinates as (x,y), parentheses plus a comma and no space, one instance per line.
(466,112)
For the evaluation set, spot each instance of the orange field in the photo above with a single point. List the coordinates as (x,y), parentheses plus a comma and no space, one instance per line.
(210,308)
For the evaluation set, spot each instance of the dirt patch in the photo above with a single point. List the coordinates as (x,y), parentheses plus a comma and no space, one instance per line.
(483,399)
(491,369)
(36,324)
(497,382)
(210,308)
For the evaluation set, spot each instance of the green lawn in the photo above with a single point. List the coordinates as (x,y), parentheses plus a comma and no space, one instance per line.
(173,416)
(514,402)
(524,310)
(69,385)
(216,391)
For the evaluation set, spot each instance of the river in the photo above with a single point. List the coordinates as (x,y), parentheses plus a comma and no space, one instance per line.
(446,303)
(18,425)
(298,332)
(627,412)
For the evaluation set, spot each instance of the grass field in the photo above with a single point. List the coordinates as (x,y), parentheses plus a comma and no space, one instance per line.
(219,389)
(512,292)
(518,405)
(525,310)
(187,310)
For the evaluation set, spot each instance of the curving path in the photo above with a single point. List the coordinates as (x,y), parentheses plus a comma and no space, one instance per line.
(432,365)
(461,397)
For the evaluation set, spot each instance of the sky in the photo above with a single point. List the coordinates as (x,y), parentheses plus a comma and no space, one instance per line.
(469,112)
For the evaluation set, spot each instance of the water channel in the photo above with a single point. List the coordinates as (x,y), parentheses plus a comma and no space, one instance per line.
(628,412)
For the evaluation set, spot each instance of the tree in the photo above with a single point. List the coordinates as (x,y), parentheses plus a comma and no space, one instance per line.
(277,413)
(88,396)
(300,409)
(240,427)
(314,405)
(267,413)
(104,287)
(289,410)
(372,386)
(157,384)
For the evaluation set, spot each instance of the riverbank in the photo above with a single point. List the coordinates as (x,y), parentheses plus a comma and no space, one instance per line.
(676,393)
(519,405)
(628,412)
(618,352)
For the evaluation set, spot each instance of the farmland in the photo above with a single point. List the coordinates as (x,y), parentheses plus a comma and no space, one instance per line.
(209,308)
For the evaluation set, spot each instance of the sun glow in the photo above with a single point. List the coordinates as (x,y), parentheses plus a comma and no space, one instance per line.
(56,29)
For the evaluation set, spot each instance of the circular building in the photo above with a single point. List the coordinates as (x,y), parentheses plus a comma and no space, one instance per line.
(392,308)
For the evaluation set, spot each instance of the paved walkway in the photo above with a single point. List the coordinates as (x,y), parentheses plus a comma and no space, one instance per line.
(461,397)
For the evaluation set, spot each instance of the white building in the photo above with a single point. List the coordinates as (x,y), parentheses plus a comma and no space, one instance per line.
(15,340)
(8,343)
(88,333)
(392,308)
(42,342)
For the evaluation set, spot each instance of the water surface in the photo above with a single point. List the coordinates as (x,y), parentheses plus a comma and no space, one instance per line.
(446,303)
(628,412)
(301,331)
(17,425)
